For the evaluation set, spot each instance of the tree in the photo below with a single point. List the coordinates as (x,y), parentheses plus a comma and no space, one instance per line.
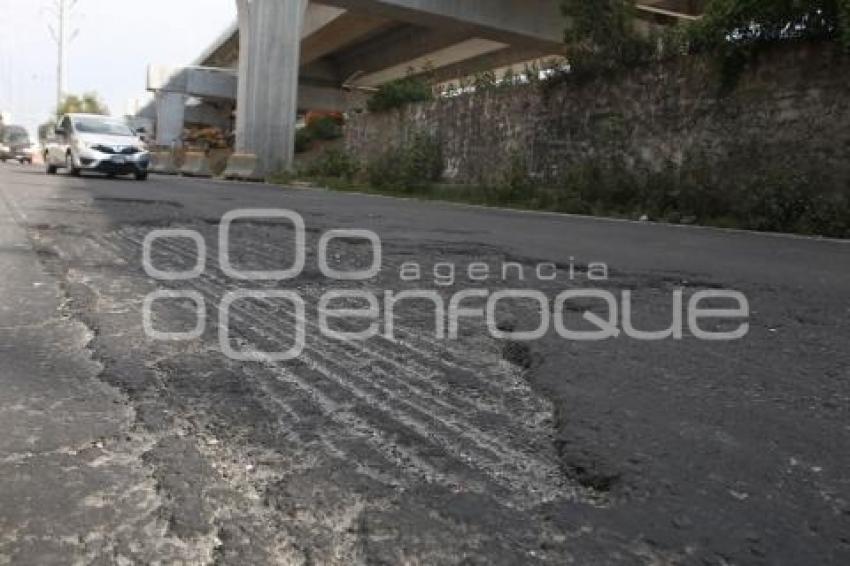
(88,103)
(602,35)
(728,23)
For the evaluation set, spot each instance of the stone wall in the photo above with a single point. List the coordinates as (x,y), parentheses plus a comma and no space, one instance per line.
(790,110)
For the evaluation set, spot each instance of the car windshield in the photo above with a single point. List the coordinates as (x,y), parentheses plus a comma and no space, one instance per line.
(14,135)
(101,126)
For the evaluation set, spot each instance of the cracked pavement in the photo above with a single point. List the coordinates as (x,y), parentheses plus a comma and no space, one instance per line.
(123,450)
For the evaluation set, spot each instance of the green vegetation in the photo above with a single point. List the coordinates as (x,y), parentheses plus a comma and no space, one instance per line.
(303,140)
(333,164)
(731,23)
(321,128)
(88,103)
(409,169)
(690,193)
(602,35)
(603,38)
(736,31)
(325,128)
(696,193)
(400,92)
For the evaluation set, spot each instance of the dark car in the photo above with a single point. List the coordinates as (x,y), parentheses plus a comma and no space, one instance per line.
(15,144)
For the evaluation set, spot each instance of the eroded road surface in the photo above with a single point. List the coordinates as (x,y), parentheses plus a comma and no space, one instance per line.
(411,449)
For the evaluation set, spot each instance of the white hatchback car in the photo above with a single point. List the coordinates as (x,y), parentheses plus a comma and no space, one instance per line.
(87,142)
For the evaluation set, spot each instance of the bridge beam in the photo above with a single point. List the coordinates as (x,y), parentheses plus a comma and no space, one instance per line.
(222,85)
(528,23)
(400,47)
(201,82)
(327,35)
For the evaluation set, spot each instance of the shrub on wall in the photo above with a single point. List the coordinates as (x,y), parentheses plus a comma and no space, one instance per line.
(515,186)
(303,140)
(737,30)
(321,126)
(730,23)
(400,92)
(602,36)
(334,164)
(325,128)
(793,202)
(411,168)
(314,116)
(696,192)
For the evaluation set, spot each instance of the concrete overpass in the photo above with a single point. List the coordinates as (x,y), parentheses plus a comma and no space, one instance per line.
(286,55)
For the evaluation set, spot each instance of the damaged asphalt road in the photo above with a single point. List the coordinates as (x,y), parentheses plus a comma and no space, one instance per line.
(119,449)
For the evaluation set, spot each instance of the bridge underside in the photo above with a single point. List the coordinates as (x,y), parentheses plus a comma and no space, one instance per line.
(294,55)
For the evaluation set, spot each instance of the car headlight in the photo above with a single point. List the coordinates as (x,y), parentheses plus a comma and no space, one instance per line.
(4,148)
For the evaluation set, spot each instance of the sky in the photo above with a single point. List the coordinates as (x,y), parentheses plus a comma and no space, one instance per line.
(116,41)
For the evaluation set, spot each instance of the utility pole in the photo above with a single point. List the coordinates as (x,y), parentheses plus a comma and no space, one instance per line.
(61,62)
(62,37)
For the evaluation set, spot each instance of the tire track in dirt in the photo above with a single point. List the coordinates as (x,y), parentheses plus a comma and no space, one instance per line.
(452,431)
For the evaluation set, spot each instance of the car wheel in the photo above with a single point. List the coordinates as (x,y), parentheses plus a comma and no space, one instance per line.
(142,176)
(51,169)
(69,166)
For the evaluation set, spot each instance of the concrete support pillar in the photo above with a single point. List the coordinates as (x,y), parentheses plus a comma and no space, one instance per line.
(267,98)
(170,111)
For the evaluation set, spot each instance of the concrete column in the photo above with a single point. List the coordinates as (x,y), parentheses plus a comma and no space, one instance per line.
(170,111)
(267,97)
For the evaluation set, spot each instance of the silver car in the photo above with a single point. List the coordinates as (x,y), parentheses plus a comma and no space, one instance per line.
(87,142)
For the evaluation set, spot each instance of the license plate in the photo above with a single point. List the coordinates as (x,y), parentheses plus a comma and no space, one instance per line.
(119,159)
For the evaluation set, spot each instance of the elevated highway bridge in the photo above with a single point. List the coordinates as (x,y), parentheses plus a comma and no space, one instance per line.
(286,56)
